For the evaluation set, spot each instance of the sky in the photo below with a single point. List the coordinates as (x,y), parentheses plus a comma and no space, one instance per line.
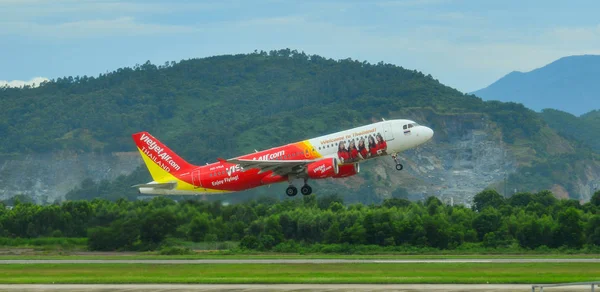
(464,44)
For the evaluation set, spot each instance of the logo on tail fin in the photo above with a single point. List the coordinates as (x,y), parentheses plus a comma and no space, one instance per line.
(157,152)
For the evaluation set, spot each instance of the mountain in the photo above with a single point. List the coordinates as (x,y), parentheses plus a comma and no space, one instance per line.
(569,84)
(71,137)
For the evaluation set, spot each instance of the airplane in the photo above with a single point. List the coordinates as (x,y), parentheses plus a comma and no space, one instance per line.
(336,155)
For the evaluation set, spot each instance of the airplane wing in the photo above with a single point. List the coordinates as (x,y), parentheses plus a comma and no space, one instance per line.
(280,167)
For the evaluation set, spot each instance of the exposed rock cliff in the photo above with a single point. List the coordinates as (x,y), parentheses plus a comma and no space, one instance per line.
(48,177)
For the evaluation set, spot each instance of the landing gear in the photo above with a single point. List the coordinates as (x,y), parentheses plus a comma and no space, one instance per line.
(399,165)
(291,191)
(306,190)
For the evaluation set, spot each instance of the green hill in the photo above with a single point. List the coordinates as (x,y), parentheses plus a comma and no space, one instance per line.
(227,105)
(272,95)
(585,128)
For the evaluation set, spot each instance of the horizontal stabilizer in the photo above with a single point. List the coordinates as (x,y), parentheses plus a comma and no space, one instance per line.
(162,186)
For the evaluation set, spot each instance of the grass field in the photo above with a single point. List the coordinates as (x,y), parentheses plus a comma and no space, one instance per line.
(300,273)
(151,256)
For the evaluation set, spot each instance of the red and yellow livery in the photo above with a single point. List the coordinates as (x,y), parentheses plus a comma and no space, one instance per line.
(331,156)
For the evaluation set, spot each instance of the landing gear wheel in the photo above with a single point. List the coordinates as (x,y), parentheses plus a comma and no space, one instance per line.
(399,165)
(291,191)
(306,190)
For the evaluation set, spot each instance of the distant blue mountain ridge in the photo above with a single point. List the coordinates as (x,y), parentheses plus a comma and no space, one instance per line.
(570,84)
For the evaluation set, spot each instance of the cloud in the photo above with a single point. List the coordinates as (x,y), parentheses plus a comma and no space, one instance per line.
(465,45)
(123,26)
(34,9)
(410,3)
(576,34)
(34,82)
(463,56)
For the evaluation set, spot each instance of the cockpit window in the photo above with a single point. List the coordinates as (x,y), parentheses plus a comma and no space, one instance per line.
(405,127)
(410,126)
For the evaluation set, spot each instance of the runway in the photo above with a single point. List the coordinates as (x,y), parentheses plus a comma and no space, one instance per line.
(301,261)
(283,287)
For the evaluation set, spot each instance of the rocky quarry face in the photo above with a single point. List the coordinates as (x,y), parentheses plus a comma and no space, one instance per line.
(48,177)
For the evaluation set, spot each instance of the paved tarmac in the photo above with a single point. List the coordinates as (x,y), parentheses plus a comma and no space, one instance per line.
(301,261)
(283,287)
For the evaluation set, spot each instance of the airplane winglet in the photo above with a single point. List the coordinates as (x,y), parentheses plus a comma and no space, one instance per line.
(221,160)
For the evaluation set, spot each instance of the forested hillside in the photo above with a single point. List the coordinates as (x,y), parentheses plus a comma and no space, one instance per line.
(228,105)
(585,128)
(261,99)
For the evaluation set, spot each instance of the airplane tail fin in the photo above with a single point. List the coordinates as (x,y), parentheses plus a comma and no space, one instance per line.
(161,161)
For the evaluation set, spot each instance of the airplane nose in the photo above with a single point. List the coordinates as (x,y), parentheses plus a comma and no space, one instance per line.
(428,133)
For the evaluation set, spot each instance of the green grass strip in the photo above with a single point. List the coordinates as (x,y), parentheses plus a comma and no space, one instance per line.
(496,273)
(216,256)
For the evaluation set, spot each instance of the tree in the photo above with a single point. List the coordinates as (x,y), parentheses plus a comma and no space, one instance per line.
(249,242)
(570,230)
(396,202)
(333,234)
(266,242)
(530,233)
(595,200)
(198,228)
(120,235)
(433,205)
(156,226)
(520,199)
(487,198)
(354,234)
(310,201)
(592,229)
(324,202)
(545,198)
(370,231)
(487,221)
(436,230)
(274,230)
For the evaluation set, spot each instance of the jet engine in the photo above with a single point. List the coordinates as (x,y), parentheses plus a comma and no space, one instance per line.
(348,170)
(323,168)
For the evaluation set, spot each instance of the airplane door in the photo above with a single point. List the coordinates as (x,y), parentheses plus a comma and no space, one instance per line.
(196,179)
(387,132)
